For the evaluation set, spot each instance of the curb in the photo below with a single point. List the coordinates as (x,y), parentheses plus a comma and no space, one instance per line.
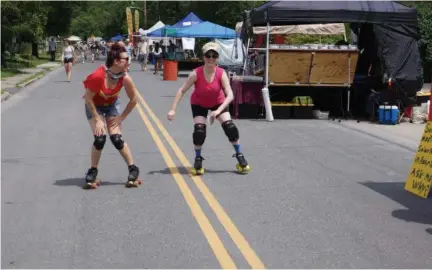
(29,82)
(5,96)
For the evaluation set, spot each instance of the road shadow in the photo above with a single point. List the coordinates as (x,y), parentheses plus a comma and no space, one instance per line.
(79,182)
(429,230)
(185,171)
(418,210)
(65,81)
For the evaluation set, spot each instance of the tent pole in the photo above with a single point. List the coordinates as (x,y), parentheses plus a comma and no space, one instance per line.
(246,56)
(345,35)
(265,90)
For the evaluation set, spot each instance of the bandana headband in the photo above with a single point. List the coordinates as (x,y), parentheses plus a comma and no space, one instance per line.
(114,76)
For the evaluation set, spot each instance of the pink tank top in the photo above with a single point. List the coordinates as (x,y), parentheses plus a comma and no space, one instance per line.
(206,94)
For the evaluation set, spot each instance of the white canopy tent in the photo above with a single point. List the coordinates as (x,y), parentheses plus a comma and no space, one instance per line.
(231,51)
(73,38)
(156,26)
(309,29)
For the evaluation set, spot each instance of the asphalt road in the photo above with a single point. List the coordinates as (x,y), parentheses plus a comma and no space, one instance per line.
(319,195)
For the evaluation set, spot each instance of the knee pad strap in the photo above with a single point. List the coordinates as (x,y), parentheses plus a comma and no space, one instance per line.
(230,130)
(99,142)
(199,134)
(117,141)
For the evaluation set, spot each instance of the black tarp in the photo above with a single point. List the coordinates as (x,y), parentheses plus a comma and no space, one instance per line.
(298,12)
(392,29)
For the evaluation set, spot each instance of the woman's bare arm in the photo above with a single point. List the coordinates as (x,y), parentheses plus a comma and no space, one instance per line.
(229,96)
(183,89)
(89,100)
(131,92)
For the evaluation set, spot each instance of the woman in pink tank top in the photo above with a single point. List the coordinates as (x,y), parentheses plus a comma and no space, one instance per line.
(212,91)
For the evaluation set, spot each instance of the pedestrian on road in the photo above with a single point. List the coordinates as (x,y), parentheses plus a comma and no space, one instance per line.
(158,56)
(212,92)
(68,58)
(128,47)
(143,53)
(52,49)
(103,111)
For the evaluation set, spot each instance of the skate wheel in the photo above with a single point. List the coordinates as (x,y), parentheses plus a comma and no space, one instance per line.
(243,170)
(135,183)
(94,185)
(197,172)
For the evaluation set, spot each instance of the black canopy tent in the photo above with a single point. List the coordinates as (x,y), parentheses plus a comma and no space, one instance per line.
(286,12)
(388,30)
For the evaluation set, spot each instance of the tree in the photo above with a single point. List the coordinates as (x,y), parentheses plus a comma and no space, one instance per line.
(24,20)
(424,10)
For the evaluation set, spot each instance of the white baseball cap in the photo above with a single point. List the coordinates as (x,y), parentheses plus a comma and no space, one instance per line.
(211,46)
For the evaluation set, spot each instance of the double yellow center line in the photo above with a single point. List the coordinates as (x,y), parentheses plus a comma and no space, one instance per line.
(213,239)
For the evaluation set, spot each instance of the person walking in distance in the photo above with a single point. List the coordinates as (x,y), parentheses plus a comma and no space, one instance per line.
(52,49)
(143,53)
(128,46)
(158,56)
(102,108)
(212,92)
(68,59)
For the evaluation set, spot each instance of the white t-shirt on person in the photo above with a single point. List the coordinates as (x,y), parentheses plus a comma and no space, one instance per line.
(68,52)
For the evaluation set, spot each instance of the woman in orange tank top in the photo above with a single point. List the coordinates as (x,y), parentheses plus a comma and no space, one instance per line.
(212,92)
(103,111)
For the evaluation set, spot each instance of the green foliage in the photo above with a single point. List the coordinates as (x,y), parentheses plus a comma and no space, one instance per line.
(425,25)
(103,19)
(31,21)
(424,10)
(24,19)
(298,39)
(60,16)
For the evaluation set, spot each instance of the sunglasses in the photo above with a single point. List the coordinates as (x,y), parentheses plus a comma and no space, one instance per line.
(211,55)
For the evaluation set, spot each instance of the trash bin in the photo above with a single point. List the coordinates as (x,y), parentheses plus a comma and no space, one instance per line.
(170,70)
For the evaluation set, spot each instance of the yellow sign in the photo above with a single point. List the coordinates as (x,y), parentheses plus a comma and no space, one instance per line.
(136,20)
(419,180)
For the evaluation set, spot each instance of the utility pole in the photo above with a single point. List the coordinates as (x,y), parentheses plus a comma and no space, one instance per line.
(145,14)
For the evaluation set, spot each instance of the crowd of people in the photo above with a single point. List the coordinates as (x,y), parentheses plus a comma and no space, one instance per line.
(142,52)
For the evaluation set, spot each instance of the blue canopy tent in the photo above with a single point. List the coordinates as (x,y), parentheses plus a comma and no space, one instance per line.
(118,38)
(205,30)
(189,20)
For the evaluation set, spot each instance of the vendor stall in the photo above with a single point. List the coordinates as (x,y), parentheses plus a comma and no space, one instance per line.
(312,63)
(395,41)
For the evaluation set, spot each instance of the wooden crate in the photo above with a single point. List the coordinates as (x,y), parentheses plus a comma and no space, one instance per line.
(332,67)
(312,67)
(289,66)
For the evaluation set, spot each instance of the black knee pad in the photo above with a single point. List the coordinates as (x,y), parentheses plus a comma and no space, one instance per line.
(99,142)
(199,134)
(118,141)
(230,130)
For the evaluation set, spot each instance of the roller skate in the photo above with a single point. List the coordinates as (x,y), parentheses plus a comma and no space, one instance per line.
(91,181)
(242,165)
(198,169)
(133,177)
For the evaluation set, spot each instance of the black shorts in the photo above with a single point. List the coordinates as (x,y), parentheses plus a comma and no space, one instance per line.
(197,110)
(68,60)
